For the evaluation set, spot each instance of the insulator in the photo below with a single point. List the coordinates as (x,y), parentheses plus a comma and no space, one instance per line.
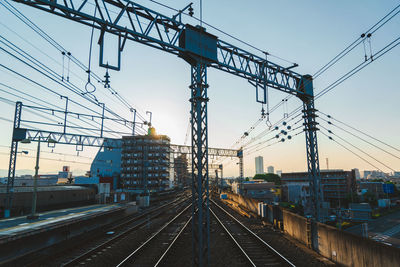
(329,131)
(246,133)
(329,122)
(289,137)
(285,133)
(276,127)
(282,131)
(284,123)
(283,140)
(277,136)
(289,127)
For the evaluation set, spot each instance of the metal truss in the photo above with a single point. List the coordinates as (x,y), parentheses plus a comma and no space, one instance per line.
(78,140)
(131,21)
(217,152)
(200,194)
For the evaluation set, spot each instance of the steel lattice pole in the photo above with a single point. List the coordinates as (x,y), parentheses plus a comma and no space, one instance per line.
(310,128)
(13,161)
(200,194)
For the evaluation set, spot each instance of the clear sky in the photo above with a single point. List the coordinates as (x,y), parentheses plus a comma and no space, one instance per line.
(308,32)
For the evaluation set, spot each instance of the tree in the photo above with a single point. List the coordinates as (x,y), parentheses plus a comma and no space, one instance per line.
(269,177)
(351,198)
(370,198)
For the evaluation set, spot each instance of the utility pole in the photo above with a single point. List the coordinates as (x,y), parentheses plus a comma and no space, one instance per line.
(33,214)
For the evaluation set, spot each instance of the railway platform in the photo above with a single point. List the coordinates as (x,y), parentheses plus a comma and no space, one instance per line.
(20,236)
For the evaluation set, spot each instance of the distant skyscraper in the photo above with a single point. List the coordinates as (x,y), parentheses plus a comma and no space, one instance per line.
(259,165)
(279,172)
(270,169)
(357,172)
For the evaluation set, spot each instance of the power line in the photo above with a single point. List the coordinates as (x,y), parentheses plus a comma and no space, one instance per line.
(54,60)
(21,97)
(357,130)
(348,149)
(343,53)
(359,67)
(60,160)
(366,141)
(59,47)
(355,43)
(359,149)
(54,153)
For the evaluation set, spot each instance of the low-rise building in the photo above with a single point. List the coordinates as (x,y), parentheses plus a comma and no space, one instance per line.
(375,188)
(336,185)
(263,191)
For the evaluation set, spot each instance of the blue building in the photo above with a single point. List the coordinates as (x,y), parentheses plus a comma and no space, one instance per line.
(107,162)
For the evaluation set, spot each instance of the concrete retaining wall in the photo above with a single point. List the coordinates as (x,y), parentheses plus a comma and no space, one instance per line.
(247,203)
(352,250)
(295,226)
(339,246)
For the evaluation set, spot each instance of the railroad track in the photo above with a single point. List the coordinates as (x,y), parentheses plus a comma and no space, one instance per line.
(154,249)
(121,230)
(256,251)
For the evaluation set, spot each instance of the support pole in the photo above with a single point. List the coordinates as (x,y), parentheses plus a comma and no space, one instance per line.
(65,113)
(102,120)
(200,194)
(13,160)
(240,155)
(33,214)
(134,121)
(310,128)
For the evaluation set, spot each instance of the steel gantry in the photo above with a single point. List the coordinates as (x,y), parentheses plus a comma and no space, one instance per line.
(131,21)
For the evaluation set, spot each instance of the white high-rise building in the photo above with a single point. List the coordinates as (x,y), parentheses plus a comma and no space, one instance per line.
(259,165)
(270,169)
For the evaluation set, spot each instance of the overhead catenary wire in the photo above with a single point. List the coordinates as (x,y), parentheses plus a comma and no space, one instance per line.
(60,95)
(51,106)
(355,43)
(348,149)
(361,132)
(344,52)
(277,142)
(359,67)
(362,139)
(32,59)
(359,149)
(59,47)
(355,70)
(57,62)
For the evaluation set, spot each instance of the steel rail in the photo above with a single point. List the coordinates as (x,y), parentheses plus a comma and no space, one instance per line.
(255,235)
(234,240)
(173,242)
(153,236)
(109,241)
